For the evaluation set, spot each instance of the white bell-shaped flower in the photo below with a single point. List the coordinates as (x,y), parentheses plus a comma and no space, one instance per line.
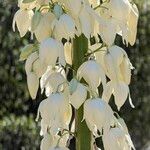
(22,19)
(112,60)
(119,17)
(107,29)
(78,97)
(102,25)
(118,138)
(87,21)
(120,91)
(125,70)
(132,24)
(33,84)
(48,141)
(53,81)
(108,32)
(98,114)
(55,112)
(33,64)
(117,65)
(51,50)
(44,30)
(92,73)
(64,27)
(51,141)
(115,139)
(119,9)
(39,68)
(73,7)
(122,125)
(33,73)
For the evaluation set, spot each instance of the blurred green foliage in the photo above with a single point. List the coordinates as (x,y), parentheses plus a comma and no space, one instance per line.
(18,129)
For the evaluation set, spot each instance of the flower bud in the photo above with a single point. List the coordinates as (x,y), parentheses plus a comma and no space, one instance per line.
(44,30)
(92,73)
(55,113)
(64,27)
(73,7)
(47,142)
(86,22)
(22,19)
(79,96)
(120,91)
(33,84)
(50,51)
(98,114)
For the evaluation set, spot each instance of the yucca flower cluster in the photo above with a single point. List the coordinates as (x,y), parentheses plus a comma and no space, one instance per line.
(55,24)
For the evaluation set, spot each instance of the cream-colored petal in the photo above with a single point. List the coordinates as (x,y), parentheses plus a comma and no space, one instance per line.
(33,84)
(44,30)
(30,61)
(79,96)
(107,92)
(121,92)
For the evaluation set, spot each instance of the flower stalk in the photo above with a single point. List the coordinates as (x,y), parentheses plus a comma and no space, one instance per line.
(83,137)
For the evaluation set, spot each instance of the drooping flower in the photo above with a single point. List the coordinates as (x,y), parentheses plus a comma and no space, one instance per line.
(122,125)
(34,70)
(114,140)
(64,27)
(132,24)
(33,64)
(86,22)
(73,7)
(112,60)
(118,138)
(51,50)
(92,73)
(121,92)
(121,18)
(53,80)
(33,84)
(117,64)
(22,19)
(98,114)
(55,112)
(78,97)
(125,69)
(44,29)
(49,141)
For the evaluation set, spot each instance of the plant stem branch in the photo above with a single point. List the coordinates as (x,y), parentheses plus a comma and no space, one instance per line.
(83,134)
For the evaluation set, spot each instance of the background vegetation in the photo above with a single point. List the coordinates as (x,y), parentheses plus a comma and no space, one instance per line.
(18,129)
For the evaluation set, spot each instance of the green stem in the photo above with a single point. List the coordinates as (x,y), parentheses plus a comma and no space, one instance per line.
(83,135)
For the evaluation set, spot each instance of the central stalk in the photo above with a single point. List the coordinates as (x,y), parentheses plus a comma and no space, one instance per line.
(83,134)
